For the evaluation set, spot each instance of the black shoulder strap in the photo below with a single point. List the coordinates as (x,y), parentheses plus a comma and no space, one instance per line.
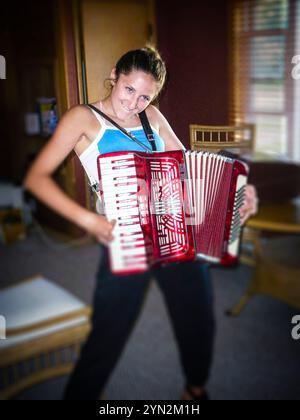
(147,149)
(147,129)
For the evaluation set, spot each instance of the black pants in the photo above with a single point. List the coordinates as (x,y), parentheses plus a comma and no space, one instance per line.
(187,291)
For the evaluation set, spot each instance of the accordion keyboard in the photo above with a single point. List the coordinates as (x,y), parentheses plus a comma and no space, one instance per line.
(235,231)
(120,192)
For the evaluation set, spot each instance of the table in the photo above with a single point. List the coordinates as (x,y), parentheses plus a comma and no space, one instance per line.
(281,218)
(276,273)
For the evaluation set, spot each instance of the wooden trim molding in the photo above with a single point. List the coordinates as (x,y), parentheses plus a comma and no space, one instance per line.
(69,88)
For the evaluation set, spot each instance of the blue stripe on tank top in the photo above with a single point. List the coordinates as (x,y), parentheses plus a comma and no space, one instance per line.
(115,141)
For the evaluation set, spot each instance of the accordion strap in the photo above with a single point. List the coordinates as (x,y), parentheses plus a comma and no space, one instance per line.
(124,131)
(147,129)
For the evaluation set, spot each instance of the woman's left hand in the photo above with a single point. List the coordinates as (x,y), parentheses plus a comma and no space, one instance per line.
(250,206)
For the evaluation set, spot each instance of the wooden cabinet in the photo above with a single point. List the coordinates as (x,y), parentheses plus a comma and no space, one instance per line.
(36,79)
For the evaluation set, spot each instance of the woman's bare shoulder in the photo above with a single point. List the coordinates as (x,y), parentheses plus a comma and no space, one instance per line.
(80,120)
(154,116)
(152,111)
(159,121)
(79,114)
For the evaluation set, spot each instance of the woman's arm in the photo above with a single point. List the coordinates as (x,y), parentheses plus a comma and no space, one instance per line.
(39,180)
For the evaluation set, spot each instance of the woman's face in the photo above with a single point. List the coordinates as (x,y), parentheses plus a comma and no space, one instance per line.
(132,93)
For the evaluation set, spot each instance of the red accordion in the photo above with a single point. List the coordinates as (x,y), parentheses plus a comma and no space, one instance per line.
(171,206)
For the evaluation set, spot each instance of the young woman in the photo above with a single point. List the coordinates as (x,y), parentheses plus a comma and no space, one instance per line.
(136,81)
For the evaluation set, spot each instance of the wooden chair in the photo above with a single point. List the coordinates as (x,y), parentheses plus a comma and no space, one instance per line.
(45,328)
(215,138)
(277,272)
(248,243)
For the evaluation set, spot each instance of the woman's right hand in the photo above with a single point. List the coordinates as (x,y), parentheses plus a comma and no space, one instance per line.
(99,227)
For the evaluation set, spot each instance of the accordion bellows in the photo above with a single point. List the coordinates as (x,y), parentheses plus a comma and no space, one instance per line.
(171,206)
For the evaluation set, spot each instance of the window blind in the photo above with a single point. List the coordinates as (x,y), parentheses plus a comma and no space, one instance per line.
(264,91)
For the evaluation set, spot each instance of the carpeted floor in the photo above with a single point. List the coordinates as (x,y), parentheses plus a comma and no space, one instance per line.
(255,355)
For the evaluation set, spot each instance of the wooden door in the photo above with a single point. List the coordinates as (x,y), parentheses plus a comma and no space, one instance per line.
(109,28)
(104,30)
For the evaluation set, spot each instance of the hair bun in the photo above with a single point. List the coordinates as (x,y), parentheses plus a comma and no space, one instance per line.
(150,48)
(146,59)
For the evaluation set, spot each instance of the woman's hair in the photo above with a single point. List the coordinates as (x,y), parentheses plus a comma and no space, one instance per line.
(146,59)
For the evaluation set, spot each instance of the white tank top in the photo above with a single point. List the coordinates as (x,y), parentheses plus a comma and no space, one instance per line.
(109,139)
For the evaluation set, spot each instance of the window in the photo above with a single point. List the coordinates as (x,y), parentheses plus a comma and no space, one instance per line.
(265,42)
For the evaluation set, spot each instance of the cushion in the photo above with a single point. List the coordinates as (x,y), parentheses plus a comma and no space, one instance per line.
(37,300)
